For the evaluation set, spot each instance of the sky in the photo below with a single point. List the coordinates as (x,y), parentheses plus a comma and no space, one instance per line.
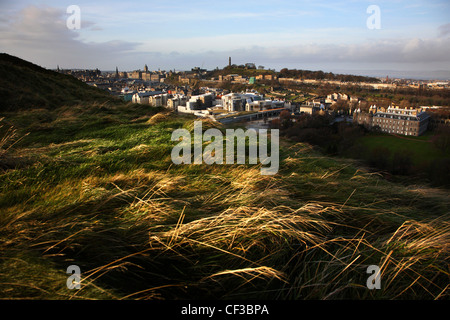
(333,36)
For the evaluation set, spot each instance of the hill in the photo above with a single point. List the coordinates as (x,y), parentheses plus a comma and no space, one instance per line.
(94,186)
(24,85)
(292,73)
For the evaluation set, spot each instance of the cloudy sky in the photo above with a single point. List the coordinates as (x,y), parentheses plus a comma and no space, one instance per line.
(330,35)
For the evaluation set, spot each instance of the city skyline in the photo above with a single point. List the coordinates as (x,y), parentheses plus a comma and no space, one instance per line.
(413,37)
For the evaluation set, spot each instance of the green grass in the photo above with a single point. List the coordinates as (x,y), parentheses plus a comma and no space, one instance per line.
(421,148)
(94,186)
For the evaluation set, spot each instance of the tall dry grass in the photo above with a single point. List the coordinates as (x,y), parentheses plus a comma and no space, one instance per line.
(9,137)
(313,251)
(309,232)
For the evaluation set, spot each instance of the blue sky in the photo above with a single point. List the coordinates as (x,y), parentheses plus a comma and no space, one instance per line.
(316,35)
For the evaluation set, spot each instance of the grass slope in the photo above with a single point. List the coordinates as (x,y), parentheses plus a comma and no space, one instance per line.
(95,187)
(24,85)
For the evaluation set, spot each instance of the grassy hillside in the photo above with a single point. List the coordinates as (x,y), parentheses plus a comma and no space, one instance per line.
(24,85)
(98,189)
(93,185)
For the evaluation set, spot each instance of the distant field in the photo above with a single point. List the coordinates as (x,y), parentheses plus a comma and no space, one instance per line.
(421,148)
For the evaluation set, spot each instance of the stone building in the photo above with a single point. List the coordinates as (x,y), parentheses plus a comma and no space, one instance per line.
(409,122)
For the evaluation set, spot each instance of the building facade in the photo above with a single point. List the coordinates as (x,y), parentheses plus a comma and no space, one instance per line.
(409,122)
(249,102)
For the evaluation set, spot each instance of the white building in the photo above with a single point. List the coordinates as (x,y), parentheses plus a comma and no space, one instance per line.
(158,100)
(178,100)
(203,101)
(233,102)
(337,96)
(249,101)
(144,97)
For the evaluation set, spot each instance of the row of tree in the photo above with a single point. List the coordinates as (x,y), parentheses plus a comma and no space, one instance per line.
(320,75)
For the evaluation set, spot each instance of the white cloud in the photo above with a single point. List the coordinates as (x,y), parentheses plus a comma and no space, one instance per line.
(40,35)
(380,51)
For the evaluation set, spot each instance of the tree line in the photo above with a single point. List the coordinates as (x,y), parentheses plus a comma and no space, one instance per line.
(320,75)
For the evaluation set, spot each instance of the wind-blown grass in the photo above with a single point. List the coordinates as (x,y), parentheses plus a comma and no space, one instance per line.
(99,190)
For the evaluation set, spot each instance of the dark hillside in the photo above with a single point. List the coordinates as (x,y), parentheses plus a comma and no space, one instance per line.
(24,85)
